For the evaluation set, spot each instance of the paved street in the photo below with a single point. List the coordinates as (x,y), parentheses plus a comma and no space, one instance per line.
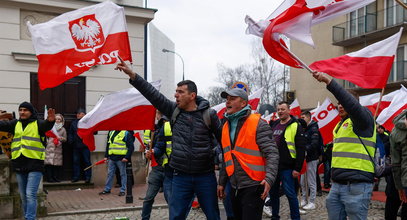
(86,204)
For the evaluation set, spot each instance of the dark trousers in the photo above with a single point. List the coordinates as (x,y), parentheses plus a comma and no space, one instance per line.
(247,204)
(393,201)
(81,155)
(52,173)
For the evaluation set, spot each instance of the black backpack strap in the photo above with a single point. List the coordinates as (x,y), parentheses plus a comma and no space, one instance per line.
(207,117)
(174,116)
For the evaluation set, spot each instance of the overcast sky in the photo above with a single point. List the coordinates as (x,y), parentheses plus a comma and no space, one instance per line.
(208,32)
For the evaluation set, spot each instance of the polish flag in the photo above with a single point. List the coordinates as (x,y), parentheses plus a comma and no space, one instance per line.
(123,110)
(368,68)
(271,117)
(369,101)
(53,133)
(294,18)
(73,42)
(295,109)
(313,110)
(254,100)
(397,105)
(327,116)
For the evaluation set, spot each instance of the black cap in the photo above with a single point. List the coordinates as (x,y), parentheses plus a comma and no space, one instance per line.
(235,92)
(28,106)
(80,110)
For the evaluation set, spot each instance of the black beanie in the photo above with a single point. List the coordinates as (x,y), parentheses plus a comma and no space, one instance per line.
(28,106)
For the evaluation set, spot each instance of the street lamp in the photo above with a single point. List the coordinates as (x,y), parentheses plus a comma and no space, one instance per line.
(170,51)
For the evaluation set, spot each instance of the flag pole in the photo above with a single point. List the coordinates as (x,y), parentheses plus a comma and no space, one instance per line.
(378,104)
(305,66)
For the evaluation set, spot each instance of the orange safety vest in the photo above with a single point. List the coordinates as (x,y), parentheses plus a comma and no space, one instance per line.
(245,149)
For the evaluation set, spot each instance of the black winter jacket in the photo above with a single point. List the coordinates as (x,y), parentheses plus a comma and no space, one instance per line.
(314,142)
(285,161)
(363,125)
(73,137)
(192,150)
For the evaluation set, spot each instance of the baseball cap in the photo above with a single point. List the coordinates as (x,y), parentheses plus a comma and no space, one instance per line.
(235,92)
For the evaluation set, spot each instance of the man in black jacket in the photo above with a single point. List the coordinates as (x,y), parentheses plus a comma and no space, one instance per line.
(313,149)
(352,156)
(192,156)
(81,152)
(289,137)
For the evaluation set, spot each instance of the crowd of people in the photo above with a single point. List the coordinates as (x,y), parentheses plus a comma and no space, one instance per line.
(255,158)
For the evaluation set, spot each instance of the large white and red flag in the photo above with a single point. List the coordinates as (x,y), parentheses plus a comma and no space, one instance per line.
(397,105)
(294,18)
(270,117)
(368,68)
(127,109)
(254,100)
(73,42)
(295,109)
(327,117)
(371,101)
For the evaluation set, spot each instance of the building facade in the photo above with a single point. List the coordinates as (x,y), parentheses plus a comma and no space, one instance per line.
(18,68)
(346,34)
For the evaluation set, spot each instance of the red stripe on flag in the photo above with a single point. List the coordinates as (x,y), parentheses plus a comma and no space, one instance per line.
(52,70)
(389,123)
(137,118)
(366,72)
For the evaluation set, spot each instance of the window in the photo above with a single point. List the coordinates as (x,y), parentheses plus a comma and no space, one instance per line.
(362,20)
(399,70)
(395,13)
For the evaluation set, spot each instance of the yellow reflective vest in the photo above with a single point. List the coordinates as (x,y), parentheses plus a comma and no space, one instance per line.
(168,147)
(147,137)
(27,142)
(289,136)
(118,146)
(348,152)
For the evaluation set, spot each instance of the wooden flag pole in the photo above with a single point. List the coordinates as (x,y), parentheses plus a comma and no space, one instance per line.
(378,104)
(305,66)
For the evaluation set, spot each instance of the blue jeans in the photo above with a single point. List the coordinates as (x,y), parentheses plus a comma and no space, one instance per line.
(167,185)
(227,202)
(78,155)
(111,171)
(288,184)
(350,200)
(184,186)
(28,184)
(155,182)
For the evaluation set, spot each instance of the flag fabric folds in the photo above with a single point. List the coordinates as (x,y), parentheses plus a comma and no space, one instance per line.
(294,19)
(73,42)
(397,105)
(123,110)
(327,116)
(368,68)
(254,100)
(371,101)
(295,109)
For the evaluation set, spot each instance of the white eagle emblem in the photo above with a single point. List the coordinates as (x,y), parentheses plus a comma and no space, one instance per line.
(87,33)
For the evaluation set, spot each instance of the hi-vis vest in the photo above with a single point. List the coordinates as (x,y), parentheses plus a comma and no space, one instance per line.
(348,152)
(289,136)
(245,149)
(168,147)
(118,146)
(27,142)
(146,137)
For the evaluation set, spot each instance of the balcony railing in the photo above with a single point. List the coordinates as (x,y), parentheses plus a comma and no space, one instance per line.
(371,22)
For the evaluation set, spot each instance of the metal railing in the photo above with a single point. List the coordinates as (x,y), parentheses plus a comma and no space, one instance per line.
(370,22)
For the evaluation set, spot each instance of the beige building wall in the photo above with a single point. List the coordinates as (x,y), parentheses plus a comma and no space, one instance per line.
(18,61)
